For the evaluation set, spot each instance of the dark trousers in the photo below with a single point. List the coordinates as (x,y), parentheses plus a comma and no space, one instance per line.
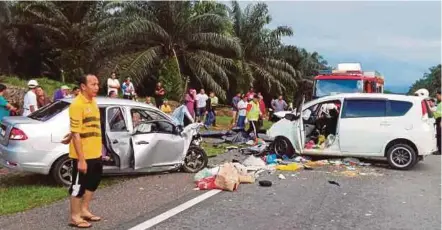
(214,117)
(253,127)
(438,133)
(130,97)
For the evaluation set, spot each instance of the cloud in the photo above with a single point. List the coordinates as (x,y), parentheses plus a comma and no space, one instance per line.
(394,37)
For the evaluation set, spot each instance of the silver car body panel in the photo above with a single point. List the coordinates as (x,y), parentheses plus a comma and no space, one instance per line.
(43,147)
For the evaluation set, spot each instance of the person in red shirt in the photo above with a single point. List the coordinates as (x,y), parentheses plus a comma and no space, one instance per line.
(250,94)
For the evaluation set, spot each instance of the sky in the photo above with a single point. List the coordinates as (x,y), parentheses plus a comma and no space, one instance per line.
(402,40)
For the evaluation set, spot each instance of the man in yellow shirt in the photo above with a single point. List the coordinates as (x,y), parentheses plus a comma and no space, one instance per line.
(85,151)
(165,107)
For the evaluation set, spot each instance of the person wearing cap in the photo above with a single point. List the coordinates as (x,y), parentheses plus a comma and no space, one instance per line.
(30,100)
(437,116)
(61,93)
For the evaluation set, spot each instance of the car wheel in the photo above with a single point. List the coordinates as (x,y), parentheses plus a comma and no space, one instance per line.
(401,156)
(195,160)
(282,146)
(62,170)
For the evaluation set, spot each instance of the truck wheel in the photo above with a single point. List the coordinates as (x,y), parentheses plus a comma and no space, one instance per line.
(62,170)
(195,160)
(401,156)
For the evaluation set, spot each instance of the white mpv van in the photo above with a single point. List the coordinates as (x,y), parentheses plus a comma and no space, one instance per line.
(400,128)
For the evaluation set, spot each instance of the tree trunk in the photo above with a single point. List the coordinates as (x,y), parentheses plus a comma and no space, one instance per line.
(186,79)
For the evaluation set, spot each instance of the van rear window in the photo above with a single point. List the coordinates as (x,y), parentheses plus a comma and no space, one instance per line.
(49,111)
(398,108)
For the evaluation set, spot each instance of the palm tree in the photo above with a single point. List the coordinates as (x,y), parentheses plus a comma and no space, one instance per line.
(259,63)
(7,37)
(307,63)
(148,33)
(68,29)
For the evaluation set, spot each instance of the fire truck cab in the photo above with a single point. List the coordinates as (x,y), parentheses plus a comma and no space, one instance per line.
(348,78)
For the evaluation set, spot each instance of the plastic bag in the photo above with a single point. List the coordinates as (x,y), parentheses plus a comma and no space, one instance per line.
(271,159)
(203,173)
(207,183)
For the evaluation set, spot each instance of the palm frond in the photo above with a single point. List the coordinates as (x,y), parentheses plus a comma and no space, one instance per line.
(217,41)
(140,62)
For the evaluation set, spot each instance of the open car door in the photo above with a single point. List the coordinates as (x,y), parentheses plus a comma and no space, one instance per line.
(299,135)
(157,143)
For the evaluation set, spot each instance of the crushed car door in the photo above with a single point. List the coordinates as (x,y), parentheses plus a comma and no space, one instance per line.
(118,134)
(157,143)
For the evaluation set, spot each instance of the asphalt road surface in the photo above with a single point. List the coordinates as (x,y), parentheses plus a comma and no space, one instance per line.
(381,199)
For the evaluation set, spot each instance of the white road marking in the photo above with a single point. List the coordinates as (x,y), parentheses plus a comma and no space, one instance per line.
(172,212)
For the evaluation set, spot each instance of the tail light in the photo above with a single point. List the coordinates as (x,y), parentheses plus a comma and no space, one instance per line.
(424,109)
(17,134)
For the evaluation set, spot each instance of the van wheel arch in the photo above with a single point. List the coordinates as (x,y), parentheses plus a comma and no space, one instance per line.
(400,141)
(401,154)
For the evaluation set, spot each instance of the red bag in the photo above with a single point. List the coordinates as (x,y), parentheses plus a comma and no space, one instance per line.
(207,183)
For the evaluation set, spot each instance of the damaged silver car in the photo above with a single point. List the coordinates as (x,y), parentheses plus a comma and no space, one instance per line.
(137,138)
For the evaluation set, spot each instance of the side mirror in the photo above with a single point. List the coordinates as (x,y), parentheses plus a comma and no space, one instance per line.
(291,117)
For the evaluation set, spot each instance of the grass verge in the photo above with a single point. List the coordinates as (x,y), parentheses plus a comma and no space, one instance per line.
(21,192)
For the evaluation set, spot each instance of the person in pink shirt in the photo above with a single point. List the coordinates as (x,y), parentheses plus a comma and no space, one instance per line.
(262,108)
(190,101)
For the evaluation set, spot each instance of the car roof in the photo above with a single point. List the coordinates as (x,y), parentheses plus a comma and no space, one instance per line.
(116,101)
(398,97)
(371,96)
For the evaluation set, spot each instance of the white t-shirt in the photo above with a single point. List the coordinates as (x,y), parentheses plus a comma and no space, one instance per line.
(242,108)
(201,100)
(30,99)
(114,83)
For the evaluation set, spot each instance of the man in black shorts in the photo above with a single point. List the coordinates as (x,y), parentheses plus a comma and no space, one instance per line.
(85,151)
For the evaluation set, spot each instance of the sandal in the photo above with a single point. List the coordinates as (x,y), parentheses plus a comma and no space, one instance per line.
(80,224)
(91,218)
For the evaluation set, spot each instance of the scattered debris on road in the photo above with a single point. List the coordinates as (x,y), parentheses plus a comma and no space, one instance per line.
(251,162)
(265,183)
(334,182)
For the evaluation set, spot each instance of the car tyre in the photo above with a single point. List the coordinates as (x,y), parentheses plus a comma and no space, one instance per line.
(402,156)
(61,169)
(195,160)
(282,146)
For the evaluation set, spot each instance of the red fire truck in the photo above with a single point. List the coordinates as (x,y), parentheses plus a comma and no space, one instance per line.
(348,78)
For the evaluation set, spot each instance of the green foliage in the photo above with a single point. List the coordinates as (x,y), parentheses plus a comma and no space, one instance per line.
(218,48)
(430,81)
(48,85)
(260,64)
(171,78)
